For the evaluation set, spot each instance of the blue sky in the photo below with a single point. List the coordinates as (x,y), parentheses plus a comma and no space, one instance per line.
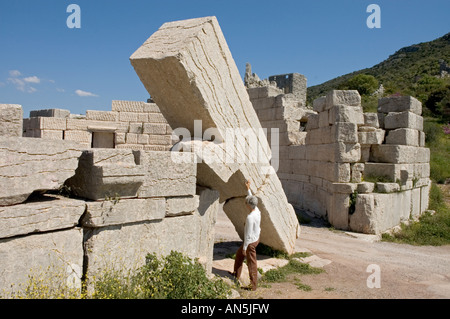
(45,64)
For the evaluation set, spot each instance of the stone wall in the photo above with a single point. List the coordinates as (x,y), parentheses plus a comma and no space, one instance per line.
(364,172)
(79,211)
(130,124)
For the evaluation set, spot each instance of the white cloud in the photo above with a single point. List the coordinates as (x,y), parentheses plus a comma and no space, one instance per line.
(15,73)
(60,90)
(84,93)
(18,83)
(32,79)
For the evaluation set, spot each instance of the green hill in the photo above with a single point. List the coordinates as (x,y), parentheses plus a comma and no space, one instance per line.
(414,70)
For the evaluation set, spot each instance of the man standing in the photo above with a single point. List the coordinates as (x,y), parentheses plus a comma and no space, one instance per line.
(252,232)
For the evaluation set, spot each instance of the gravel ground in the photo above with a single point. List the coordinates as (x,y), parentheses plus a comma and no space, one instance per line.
(405,271)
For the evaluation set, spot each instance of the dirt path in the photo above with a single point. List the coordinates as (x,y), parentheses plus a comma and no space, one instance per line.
(405,271)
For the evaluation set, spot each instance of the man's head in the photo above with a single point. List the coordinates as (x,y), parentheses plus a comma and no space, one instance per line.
(251,202)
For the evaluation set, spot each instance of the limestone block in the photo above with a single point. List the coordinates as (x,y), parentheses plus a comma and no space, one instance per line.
(357,172)
(28,165)
(345,113)
(323,119)
(387,187)
(404,119)
(131,138)
(136,128)
(135,147)
(336,152)
(116,211)
(167,174)
(342,188)
(156,118)
(206,85)
(102,115)
(399,104)
(59,113)
(415,203)
(128,117)
(403,136)
(388,153)
(142,117)
(52,123)
(157,129)
(49,134)
(125,246)
(376,212)
(344,132)
(127,106)
(78,136)
(84,125)
(374,137)
(344,97)
(425,197)
(338,214)
(143,139)
(371,119)
(107,173)
(365,187)
(297,152)
(319,104)
(422,139)
(159,139)
(48,212)
(36,254)
(313,122)
(181,205)
(397,172)
(11,122)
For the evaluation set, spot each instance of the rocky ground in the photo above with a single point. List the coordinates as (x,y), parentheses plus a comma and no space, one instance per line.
(405,271)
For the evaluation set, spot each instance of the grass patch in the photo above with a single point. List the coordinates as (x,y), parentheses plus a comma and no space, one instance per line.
(439,144)
(293,267)
(430,229)
(174,276)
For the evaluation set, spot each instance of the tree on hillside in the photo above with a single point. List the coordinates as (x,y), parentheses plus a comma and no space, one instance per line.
(365,84)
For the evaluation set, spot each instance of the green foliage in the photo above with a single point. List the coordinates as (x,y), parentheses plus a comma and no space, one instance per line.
(293,267)
(365,84)
(265,250)
(174,276)
(439,144)
(431,229)
(411,70)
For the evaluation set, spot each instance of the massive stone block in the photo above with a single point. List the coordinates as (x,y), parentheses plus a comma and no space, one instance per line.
(107,173)
(46,254)
(189,71)
(28,165)
(11,120)
(46,213)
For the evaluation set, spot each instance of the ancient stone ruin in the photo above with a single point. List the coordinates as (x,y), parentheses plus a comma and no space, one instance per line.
(363,172)
(86,192)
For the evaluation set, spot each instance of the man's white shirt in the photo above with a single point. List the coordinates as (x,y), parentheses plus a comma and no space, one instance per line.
(252,228)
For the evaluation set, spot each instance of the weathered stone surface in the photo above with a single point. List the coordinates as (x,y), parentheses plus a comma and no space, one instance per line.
(404,136)
(36,254)
(181,205)
(59,113)
(167,174)
(404,119)
(388,153)
(11,120)
(125,246)
(376,213)
(28,165)
(399,104)
(342,97)
(374,137)
(44,213)
(107,173)
(345,113)
(193,77)
(123,211)
(371,119)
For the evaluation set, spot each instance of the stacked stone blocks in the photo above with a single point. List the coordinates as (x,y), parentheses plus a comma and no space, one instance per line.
(135,125)
(365,172)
